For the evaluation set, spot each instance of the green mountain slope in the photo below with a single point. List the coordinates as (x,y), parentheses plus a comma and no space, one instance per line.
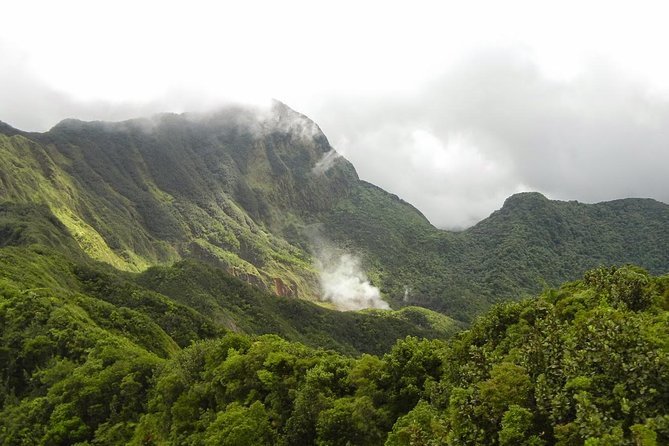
(567,237)
(530,243)
(176,305)
(81,342)
(257,192)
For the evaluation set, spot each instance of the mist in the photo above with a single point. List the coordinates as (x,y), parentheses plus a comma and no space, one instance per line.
(496,124)
(328,160)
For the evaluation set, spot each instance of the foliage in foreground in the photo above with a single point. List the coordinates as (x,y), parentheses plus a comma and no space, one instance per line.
(585,364)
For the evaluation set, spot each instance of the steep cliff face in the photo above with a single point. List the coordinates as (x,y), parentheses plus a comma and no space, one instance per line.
(224,187)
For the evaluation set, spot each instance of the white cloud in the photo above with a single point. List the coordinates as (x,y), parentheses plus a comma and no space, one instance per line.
(496,125)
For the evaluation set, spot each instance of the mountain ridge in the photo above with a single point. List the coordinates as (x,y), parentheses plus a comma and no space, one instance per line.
(250,190)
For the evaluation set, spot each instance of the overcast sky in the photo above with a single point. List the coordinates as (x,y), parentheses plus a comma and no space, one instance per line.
(453,106)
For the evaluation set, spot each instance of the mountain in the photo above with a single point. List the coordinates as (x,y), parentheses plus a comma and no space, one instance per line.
(259,192)
(157,279)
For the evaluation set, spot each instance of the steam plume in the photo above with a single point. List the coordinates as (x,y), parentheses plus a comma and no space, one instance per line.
(345,284)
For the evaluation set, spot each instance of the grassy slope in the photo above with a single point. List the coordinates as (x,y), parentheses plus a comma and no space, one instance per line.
(191,300)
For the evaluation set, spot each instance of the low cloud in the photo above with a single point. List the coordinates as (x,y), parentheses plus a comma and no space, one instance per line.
(326,162)
(29,103)
(496,125)
(279,117)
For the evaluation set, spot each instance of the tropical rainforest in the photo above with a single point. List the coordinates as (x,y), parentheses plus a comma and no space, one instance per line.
(161,284)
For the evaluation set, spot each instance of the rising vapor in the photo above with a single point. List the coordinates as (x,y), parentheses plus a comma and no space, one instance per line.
(345,284)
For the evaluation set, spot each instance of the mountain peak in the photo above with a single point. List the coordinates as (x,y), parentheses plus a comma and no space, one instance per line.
(8,130)
(525,200)
(69,123)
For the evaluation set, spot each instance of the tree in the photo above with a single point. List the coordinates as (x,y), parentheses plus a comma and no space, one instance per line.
(240,426)
(351,422)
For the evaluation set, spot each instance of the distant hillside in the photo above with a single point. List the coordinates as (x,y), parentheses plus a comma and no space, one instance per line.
(257,192)
(529,244)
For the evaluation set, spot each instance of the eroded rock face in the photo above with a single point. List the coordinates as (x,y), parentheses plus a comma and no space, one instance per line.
(248,277)
(284,290)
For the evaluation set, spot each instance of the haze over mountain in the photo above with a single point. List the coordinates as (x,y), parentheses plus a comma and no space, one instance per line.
(262,193)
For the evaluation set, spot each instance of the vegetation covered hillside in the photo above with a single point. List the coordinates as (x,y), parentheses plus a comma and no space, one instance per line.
(529,244)
(152,191)
(260,192)
(81,342)
(586,364)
